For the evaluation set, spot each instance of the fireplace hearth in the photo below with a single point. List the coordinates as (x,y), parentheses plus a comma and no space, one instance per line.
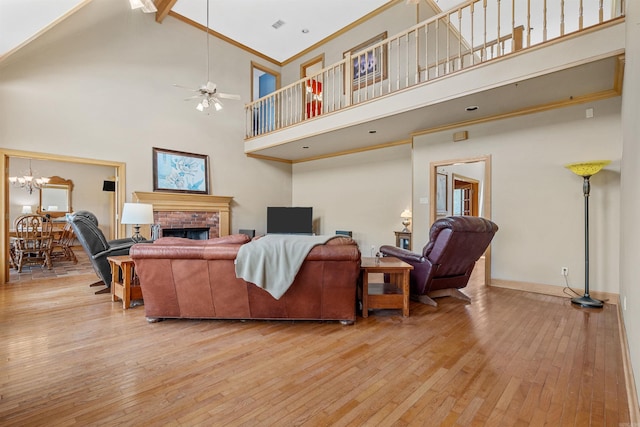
(194,233)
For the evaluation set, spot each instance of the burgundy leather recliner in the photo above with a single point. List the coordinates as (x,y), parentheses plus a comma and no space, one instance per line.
(446,262)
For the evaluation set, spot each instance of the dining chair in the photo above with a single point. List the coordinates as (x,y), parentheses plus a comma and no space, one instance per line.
(62,248)
(33,240)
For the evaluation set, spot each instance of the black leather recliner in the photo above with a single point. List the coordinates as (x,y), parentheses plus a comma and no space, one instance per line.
(96,246)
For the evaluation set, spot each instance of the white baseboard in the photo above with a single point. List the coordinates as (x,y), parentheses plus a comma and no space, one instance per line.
(552,290)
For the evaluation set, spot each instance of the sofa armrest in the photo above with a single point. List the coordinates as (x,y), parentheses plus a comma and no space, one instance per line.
(403,254)
(121,249)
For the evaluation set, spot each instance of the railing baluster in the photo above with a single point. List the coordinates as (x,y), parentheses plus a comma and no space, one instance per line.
(447,20)
(544,21)
(528,23)
(407,67)
(561,17)
(397,56)
(460,39)
(416,41)
(601,10)
(484,42)
(473,18)
(580,18)
(513,25)
(426,53)
(500,45)
(437,74)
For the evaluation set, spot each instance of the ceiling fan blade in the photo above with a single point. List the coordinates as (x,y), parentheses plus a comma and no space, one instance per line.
(193,97)
(188,88)
(228,96)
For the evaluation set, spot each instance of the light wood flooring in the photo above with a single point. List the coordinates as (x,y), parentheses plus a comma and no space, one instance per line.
(510,358)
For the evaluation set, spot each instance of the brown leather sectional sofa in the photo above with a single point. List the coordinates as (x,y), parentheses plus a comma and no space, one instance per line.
(195,279)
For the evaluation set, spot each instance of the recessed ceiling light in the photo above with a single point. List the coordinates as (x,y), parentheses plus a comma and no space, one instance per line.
(305,31)
(472,108)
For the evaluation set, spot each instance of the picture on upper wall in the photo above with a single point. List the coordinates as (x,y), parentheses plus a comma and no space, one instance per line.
(177,171)
(370,65)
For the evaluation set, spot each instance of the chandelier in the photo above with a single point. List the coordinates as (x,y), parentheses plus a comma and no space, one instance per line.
(28,181)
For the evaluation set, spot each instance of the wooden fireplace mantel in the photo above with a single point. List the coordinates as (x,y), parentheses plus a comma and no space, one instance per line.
(189,202)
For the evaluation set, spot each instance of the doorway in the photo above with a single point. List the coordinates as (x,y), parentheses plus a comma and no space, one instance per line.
(263,82)
(312,87)
(472,175)
(119,173)
(465,195)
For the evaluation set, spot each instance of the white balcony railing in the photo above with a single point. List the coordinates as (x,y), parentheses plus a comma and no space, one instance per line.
(472,33)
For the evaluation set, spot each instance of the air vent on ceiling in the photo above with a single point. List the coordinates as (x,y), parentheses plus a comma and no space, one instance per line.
(279,23)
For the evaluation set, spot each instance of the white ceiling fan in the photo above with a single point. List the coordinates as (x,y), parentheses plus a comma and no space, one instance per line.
(208,93)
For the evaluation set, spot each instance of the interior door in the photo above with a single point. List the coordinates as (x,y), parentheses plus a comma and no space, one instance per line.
(465,196)
(312,87)
(264,82)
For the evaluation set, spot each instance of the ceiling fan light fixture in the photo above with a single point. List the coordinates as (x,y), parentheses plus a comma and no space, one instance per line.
(217,105)
(200,107)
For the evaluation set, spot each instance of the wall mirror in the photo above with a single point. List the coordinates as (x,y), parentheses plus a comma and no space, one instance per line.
(55,197)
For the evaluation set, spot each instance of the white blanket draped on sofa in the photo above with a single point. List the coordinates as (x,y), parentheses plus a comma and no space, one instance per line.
(272,261)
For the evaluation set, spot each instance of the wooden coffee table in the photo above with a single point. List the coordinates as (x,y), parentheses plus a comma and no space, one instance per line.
(394,294)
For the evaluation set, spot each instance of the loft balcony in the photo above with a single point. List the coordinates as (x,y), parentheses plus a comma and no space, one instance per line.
(506,57)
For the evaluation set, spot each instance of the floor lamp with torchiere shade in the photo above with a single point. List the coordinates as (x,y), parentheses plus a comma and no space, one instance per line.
(586,170)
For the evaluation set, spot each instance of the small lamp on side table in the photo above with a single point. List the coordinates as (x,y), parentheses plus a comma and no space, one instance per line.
(137,214)
(406,220)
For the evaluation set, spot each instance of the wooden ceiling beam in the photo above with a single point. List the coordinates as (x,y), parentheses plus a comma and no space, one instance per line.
(164,7)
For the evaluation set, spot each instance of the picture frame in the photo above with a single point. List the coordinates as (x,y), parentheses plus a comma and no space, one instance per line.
(180,172)
(370,66)
(441,193)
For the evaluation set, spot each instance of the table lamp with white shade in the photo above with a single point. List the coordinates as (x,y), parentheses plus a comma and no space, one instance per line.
(137,214)
(26,209)
(406,220)
(586,170)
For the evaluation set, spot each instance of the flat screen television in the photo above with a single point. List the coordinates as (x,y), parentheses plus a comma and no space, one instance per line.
(283,220)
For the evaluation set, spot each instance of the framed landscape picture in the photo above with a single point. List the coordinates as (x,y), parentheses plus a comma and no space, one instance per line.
(368,66)
(177,171)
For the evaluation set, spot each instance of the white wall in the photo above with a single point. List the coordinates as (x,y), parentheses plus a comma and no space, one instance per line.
(100,86)
(363,192)
(537,203)
(630,205)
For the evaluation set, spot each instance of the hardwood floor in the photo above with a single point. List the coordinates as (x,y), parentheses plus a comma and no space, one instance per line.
(70,357)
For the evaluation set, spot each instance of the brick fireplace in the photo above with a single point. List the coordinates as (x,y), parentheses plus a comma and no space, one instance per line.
(178,210)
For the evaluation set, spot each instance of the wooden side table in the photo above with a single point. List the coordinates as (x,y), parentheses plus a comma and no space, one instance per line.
(403,239)
(122,280)
(394,294)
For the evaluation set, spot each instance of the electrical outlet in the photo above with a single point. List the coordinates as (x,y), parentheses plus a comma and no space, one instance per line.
(564,271)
